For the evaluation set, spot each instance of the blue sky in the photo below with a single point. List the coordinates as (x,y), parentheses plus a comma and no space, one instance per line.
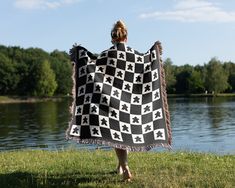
(191,31)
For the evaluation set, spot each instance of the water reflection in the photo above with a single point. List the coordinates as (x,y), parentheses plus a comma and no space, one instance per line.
(198,124)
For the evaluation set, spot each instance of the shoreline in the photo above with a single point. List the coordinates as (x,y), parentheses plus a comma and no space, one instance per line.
(29,99)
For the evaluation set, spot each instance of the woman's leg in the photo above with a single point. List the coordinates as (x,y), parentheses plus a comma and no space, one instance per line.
(123,163)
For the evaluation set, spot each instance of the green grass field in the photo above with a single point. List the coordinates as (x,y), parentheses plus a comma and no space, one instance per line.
(80,168)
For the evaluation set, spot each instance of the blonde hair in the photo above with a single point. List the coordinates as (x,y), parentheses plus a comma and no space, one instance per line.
(119,32)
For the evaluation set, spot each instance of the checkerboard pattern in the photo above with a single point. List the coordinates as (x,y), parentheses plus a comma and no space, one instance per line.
(118,98)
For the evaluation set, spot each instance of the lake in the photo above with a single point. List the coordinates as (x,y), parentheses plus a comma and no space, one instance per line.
(198,124)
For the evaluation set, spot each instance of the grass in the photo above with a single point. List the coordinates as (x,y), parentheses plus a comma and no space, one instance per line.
(81,168)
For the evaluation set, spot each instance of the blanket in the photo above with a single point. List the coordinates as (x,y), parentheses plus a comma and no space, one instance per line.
(120,99)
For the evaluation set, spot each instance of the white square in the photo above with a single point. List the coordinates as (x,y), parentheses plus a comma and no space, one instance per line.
(82,71)
(105,99)
(98,87)
(155,75)
(125,127)
(136,99)
(147,108)
(130,67)
(101,69)
(104,122)
(125,107)
(79,110)
(85,120)
(87,98)
(112,62)
(153,55)
(94,108)
(81,90)
(95,131)
(116,135)
(159,134)
(90,77)
(121,55)
(139,58)
(136,119)
(120,74)
(147,67)
(147,88)
(156,95)
(108,79)
(148,127)
(138,78)
(138,138)
(157,114)
(116,93)
(113,113)
(75,130)
(127,86)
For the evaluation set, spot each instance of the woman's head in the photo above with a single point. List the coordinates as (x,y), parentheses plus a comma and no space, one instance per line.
(119,32)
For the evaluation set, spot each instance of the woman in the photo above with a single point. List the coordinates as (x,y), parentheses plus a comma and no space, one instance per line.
(119,35)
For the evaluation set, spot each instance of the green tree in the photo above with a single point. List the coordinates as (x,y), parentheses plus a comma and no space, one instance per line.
(44,78)
(216,77)
(61,65)
(169,75)
(196,84)
(9,78)
(230,69)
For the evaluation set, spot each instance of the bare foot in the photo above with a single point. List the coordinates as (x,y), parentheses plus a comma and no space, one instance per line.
(119,170)
(127,174)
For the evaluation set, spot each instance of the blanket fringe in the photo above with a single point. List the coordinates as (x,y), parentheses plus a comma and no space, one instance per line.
(163,92)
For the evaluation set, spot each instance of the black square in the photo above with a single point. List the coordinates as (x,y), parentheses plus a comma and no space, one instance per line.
(117,83)
(102,61)
(110,70)
(147,118)
(85,132)
(139,68)
(135,109)
(112,54)
(80,100)
(106,89)
(90,68)
(147,77)
(114,103)
(130,57)
(94,119)
(96,98)
(154,65)
(89,88)
(121,64)
(114,124)
(155,84)
(82,80)
(86,109)
(103,110)
(129,76)
(137,89)
(124,117)
(147,58)
(78,120)
(126,97)
(147,98)
(99,77)
(136,129)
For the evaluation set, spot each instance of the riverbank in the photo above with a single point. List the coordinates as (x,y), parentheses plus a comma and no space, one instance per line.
(26,99)
(80,168)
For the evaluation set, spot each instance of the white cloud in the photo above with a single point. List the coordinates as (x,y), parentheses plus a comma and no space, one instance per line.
(193,11)
(42,4)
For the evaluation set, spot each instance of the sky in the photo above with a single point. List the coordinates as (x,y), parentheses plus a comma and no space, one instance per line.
(191,31)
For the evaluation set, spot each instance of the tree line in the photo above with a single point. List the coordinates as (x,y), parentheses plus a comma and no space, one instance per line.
(212,77)
(35,72)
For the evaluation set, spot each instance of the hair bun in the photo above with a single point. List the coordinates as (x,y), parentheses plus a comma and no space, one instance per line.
(119,32)
(120,24)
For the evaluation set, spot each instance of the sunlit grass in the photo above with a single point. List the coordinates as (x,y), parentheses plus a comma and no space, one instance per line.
(72,168)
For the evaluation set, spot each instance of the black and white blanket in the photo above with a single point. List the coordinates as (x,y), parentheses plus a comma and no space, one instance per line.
(120,99)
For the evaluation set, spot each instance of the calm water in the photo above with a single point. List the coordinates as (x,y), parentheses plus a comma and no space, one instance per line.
(202,124)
